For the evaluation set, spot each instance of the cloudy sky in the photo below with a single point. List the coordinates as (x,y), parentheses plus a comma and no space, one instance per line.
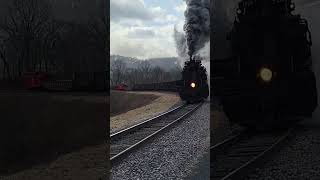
(144,28)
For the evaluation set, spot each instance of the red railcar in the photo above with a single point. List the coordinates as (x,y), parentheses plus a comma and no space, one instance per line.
(34,80)
(122,87)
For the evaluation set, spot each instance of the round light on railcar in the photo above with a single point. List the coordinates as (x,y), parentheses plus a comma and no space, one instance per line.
(193,85)
(266,74)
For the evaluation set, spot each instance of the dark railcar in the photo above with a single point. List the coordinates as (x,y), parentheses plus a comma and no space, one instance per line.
(162,86)
(269,77)
(81,81)
(90,81)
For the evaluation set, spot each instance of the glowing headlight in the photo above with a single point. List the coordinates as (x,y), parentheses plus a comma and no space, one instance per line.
(193,85)
(266,74)
(292,6)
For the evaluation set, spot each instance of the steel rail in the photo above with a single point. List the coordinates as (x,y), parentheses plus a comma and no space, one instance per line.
(221,145)
(155,124)
(144,123)
(242,152)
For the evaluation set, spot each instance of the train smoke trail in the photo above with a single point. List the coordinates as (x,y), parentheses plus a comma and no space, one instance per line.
(197,27)
(196,39)
(197,24)
(180,41)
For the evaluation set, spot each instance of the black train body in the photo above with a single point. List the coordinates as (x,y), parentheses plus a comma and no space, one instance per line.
(269,79)
(90,81)
(194,84)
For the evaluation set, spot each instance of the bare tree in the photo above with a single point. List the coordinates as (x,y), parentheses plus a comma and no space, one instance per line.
(3,56)
(31,31)
(157,74)
(147,74)
(145,69)
(47,39)
(118,72)
(98,31)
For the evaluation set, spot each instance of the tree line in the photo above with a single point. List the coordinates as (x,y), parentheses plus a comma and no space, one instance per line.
(145,73)
(33,40)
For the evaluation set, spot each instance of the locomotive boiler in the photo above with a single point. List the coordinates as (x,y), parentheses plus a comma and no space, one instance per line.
(194,84)
(268,81)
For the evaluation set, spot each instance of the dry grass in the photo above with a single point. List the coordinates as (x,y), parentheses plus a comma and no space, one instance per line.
(123,101)
(161,104)
(38,128)
(86,164)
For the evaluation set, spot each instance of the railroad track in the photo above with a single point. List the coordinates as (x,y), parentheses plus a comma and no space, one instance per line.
(125,141)
(237,155)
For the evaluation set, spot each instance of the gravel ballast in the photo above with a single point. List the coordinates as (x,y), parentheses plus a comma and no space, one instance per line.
(173,154)
(297,159)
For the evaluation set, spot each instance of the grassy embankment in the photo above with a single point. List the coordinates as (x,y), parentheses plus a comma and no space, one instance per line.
(38,128)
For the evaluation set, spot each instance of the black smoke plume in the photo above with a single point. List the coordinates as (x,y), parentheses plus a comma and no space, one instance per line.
(197,24)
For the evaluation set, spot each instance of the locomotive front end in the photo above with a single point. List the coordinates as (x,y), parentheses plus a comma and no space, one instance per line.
(194,85)
(268,80)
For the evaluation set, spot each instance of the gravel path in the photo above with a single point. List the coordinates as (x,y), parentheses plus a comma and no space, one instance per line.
(172,155)
(298,159)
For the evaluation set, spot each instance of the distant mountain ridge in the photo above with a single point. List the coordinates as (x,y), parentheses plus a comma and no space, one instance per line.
(166,64)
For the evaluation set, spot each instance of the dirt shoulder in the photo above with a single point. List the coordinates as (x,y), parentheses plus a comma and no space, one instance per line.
(161,104)
(86,164)
(90,163)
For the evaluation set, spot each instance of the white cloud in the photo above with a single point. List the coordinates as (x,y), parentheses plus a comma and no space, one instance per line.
(125,41)
(128,9)
(141,31)
(181,8)
(180,25)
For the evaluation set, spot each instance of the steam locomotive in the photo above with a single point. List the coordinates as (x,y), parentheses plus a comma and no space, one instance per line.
(194,84)
(268,81)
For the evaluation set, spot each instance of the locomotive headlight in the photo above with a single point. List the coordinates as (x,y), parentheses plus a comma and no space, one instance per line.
(266,74)
(239,11)
(292,6)
(193,85)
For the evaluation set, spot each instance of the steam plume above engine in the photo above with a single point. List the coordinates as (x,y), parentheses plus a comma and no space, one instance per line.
(180,40)
(197,24)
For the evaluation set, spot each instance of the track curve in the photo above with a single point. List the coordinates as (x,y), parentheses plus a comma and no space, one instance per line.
(125,141)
